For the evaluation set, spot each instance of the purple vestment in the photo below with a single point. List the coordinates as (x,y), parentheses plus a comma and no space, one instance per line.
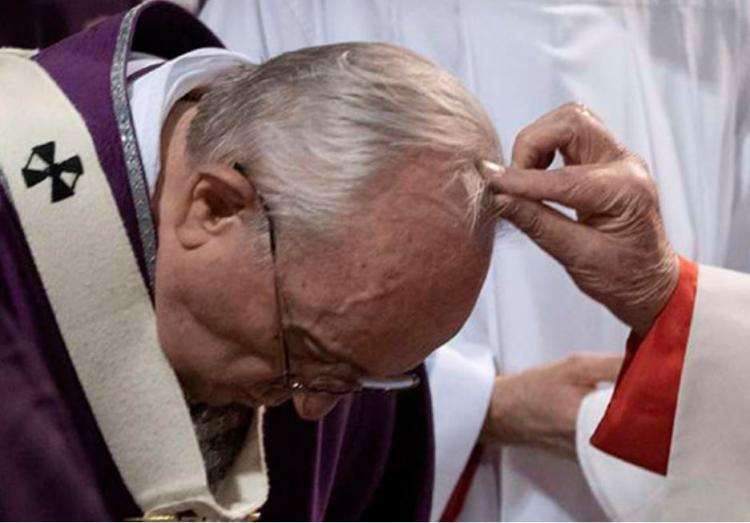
(370,458)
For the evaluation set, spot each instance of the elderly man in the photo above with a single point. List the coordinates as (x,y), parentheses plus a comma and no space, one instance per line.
(680,407)
(321,228)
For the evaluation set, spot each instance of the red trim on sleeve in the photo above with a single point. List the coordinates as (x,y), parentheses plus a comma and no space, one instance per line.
(637,426)
(458,497)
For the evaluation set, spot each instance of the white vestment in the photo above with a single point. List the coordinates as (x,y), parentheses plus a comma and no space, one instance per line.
(695,426)
(667,78)
(709,459)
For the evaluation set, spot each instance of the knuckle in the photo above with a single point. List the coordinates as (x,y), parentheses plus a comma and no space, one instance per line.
(523,139)
(651,195)
(570,117)
(638,167)
(526,151)
(619,151)
(573,107)
(639,163)
(646,190)
(578,112)
(637,179)
(534,225)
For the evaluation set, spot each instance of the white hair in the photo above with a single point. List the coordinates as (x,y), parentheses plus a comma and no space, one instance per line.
(311,127)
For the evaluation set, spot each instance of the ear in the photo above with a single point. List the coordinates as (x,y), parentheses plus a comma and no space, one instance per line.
(220,199)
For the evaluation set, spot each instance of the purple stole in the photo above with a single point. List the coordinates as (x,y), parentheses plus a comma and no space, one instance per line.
(371,458)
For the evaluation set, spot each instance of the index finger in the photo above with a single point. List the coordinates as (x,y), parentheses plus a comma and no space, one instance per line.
(589,189)
(574,130)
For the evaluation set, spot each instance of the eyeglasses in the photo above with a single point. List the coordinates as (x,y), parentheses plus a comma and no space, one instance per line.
(322,384)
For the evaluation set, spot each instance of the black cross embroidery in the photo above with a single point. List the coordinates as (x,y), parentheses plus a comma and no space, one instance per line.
(60,188)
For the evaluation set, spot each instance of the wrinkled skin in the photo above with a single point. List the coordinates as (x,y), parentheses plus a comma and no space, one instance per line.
(616,251)
(539,407)
(395,282)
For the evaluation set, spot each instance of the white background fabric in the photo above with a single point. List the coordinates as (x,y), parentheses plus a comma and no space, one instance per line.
(667,76)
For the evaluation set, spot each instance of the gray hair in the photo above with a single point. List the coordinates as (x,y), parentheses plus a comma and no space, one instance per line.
(312,126)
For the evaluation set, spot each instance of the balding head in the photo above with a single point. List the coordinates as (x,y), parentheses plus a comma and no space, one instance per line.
(365,156)
(313,128)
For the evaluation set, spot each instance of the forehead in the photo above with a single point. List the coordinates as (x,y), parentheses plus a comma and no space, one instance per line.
(398,283)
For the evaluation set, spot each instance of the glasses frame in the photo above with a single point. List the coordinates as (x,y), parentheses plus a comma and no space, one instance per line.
(294,384)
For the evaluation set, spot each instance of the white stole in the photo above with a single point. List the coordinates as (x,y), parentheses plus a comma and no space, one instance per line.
(88,268)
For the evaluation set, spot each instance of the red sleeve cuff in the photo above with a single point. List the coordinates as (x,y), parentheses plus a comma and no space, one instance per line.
(637,426)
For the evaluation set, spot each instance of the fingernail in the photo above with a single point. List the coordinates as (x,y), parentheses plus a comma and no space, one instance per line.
(492,166)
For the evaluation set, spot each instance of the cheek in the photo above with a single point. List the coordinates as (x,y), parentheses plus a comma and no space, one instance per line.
(227,291)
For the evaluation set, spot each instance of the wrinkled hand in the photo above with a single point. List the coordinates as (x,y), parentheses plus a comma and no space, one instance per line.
(616,251)
(539,407)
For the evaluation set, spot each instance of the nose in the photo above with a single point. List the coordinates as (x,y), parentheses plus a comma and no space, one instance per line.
(312,407)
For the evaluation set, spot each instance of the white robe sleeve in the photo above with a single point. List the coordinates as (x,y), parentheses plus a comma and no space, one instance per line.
(707,455)
(461,380)
(709,459)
